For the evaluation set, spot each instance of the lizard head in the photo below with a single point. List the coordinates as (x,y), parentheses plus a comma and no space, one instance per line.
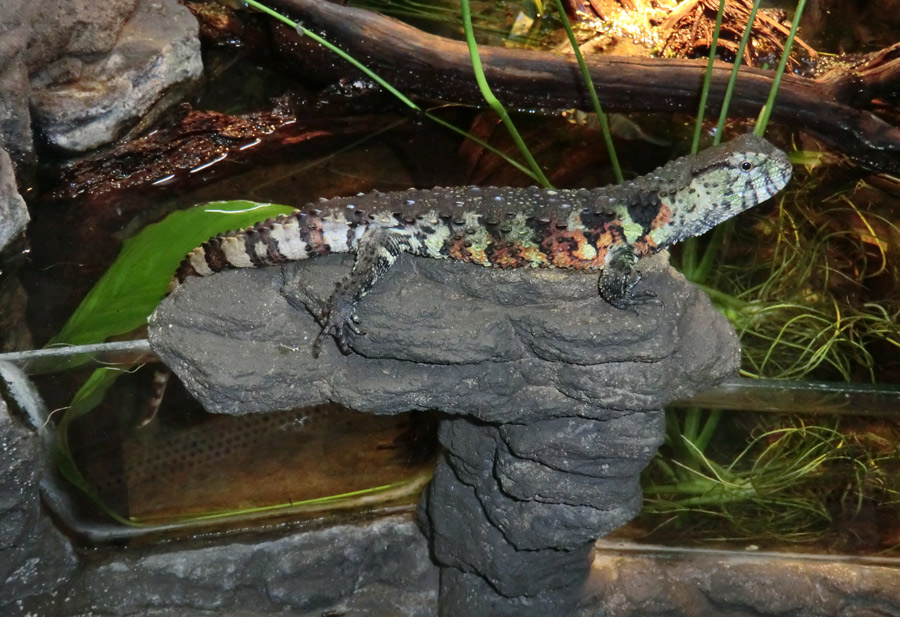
(724,181)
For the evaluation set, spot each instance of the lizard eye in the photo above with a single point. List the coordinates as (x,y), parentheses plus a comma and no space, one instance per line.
(746,166)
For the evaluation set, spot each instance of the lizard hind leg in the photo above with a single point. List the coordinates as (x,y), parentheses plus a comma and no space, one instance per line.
(377,251)
(619,278)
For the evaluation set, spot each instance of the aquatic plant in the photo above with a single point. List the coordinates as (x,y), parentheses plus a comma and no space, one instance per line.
(798,316)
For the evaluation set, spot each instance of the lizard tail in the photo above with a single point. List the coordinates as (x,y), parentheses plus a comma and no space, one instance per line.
(290,237)
(161,378)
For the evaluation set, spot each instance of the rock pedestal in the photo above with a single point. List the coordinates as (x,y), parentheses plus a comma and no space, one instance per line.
(537,495)
(554,398)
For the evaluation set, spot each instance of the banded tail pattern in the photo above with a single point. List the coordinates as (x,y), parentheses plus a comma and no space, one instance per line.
(291,237)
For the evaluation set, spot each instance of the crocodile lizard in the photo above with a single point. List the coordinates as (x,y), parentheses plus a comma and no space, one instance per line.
(607,229)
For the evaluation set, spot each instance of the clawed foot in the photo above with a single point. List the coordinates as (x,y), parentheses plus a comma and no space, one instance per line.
(631,300)
(619,291)
(338,317)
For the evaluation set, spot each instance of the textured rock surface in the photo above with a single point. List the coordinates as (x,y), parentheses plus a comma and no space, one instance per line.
(501,346)
(556,518)
(15,115)
(376,568)
(741,586)
(13,211)
(82,103)
(34,557)
(75,61)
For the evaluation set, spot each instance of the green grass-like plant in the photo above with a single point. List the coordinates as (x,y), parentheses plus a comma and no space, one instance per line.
(492,100)
(532,171)
(125,296)
(781,486)
(795,297)
(704,91)
(592,93)
(792,326)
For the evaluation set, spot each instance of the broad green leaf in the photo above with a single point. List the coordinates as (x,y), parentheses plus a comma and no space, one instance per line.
(128,292)
(88,396)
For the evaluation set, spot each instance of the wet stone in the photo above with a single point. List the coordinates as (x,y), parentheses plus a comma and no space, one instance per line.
(34,555)
(81,72)
(13,211)
(80,102)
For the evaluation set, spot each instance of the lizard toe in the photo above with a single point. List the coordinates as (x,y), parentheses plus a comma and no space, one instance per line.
(337,318)
(633,299)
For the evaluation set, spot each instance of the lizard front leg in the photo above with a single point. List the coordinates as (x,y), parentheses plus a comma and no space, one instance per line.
(619,277)
(378,249)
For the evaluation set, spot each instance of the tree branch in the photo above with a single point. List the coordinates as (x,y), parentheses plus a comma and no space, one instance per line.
(831,108)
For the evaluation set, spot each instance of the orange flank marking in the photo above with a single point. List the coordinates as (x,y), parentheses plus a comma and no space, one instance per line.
(604,241)
(504,255)
(645,246)
(664,216)
(459,251)
(571,249)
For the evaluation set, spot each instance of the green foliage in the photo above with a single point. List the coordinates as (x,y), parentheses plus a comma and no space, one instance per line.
(812,290)
(492,100)
(128,292)
(592,93)
(88,396)
(800,315)
(792,482)
(125,296)
(732,80)
(766,111)
(704,91)
(803,297)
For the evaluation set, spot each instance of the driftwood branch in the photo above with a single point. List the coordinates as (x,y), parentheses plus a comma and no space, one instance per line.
(832,108)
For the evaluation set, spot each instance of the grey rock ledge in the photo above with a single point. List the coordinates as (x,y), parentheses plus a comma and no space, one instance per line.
(501,346)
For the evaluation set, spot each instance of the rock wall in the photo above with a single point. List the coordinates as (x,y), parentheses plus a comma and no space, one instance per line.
(88,69)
